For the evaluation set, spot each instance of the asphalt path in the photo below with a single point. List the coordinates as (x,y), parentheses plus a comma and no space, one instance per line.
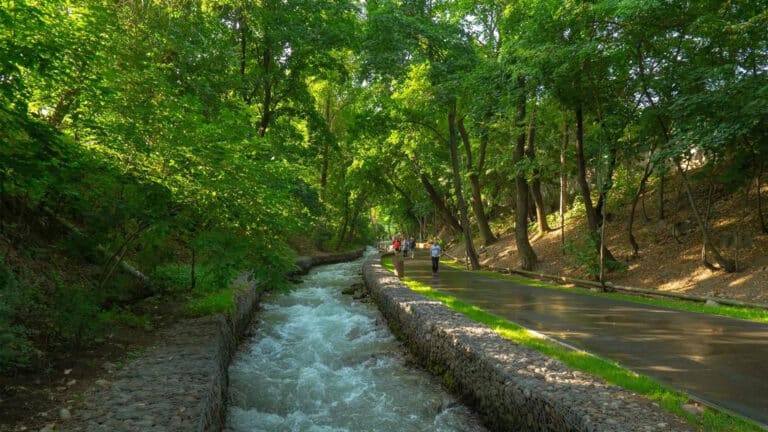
(721,361)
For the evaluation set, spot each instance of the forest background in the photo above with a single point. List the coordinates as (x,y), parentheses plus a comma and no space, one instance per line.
(156,149)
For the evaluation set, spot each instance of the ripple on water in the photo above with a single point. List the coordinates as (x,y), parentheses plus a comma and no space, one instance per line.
(321,362)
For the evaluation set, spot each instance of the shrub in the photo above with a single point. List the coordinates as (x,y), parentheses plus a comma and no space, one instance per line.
(173,277)
(583,255)
(118,316)
(15,349)
(220,301)
(76,314)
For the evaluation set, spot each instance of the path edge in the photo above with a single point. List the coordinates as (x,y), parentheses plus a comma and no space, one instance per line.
(510,386)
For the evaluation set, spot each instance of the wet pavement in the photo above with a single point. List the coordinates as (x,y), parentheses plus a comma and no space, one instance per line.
(719,360)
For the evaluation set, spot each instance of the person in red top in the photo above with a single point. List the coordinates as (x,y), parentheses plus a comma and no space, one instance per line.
(396,244)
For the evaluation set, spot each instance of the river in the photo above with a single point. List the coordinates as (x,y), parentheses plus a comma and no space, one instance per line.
(321,361)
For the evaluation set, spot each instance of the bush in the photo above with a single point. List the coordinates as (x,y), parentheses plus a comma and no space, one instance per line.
(76,314)
(220,301)
(173,277)
(15,349)
(583,255)
(124,317)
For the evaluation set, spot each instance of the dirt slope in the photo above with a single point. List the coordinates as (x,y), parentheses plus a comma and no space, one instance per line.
(662,262)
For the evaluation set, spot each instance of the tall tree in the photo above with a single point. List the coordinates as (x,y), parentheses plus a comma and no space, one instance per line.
(474,181)
(524,250)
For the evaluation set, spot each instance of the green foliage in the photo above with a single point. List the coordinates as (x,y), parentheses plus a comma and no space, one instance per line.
(123,317)
(15,349)
(213,302)
(584,255)
(222,256)
(228,130)
(173,277)
(76,314)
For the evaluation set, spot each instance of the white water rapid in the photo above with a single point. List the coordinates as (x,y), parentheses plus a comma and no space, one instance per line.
(320,361)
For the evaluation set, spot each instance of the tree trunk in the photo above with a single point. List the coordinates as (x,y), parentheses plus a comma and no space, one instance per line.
(582,173)
(524,250)
(266,114)
(242,33)
(325,151)
(408,201)
(728,265)
(343,231)
(439,204)
(401,191)
(638,195)
(760,215)
(242,28)
(193,265)
(563,181)
(63,107)
(117,258)
(645,212)
(592,221)
(662,175)
(603,250)
(662,165)
(355,214)
(474,180)
(607,184)
(541,213)
(453,144)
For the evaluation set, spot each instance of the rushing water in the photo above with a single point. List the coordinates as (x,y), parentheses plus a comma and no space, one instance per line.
(321,361)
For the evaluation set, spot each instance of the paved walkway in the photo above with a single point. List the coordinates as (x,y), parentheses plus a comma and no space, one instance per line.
(719,360)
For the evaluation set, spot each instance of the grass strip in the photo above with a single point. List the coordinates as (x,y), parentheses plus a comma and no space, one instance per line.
(219,301)
(670,400)
(749,314)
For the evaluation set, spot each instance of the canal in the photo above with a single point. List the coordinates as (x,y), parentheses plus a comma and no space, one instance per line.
(321,361)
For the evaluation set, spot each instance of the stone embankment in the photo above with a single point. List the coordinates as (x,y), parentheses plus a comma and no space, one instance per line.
(513,388)
(306,263)
(181,384)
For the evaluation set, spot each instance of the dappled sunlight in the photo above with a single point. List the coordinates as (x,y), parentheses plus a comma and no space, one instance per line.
(657,341)
(570,334)
(740,280)
(661,368)
(695,358)
(470,330)
(662,263)
(411,303)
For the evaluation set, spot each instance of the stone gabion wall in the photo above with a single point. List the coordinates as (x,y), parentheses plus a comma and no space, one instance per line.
(228,332)
(305,263)
(181,384)
(513,388)
(230,329)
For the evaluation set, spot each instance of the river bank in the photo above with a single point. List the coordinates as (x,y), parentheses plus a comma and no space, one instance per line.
(174,365)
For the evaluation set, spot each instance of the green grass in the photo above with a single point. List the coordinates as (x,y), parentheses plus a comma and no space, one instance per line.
(750,314)
(127,318)
(387,263)
(219,301)
(611,372)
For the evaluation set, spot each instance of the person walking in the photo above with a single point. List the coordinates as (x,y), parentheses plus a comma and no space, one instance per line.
(396,245)
(434,252)
(413,247)
(406,245)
